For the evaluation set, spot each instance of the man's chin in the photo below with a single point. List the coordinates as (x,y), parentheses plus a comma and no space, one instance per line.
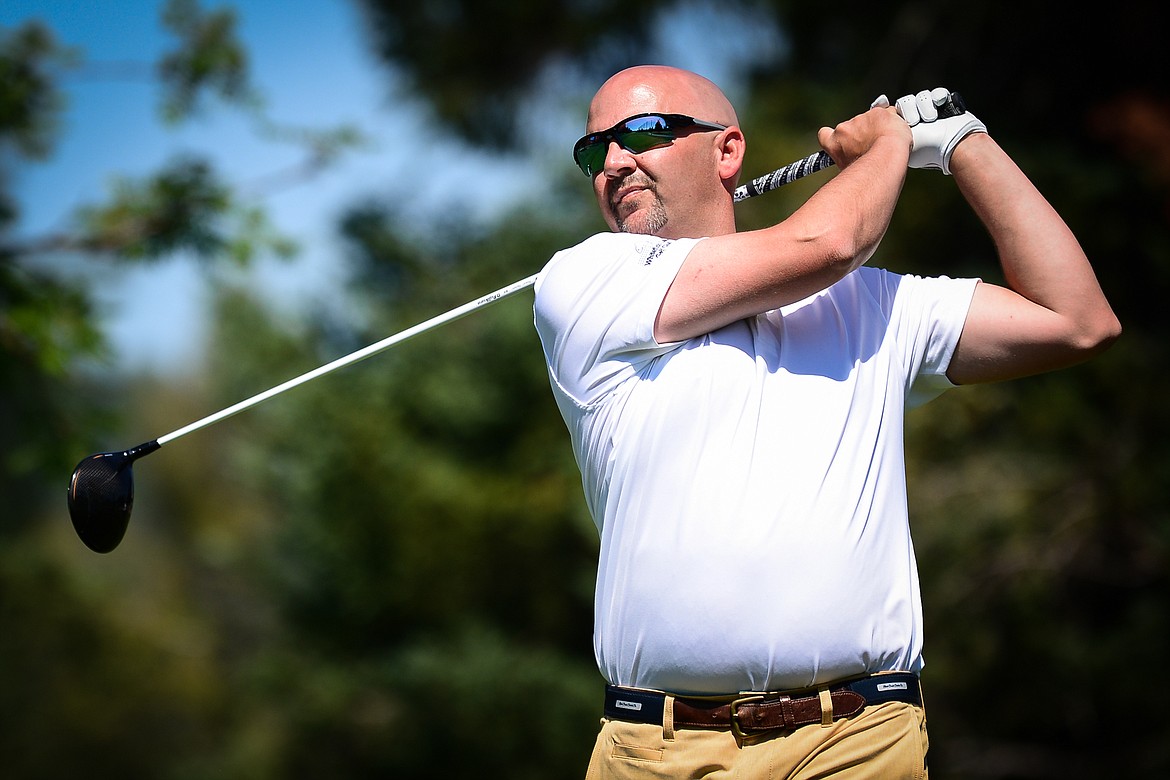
(636,229)
(647,222)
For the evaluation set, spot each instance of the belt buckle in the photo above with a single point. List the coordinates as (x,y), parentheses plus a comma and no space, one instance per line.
(734,706)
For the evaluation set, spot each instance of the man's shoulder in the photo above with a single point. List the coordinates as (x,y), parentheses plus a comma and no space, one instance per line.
(606,253)
(618,243)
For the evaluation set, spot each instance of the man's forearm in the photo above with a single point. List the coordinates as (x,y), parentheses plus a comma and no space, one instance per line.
(1040,257)
(1052,313)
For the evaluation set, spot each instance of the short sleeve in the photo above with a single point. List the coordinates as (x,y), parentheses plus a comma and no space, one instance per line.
(595,308)
(930,313)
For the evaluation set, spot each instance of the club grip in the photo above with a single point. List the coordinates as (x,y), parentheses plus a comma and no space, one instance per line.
(781,176)
(953,107)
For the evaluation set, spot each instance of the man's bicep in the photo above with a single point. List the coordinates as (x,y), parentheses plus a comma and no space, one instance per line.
(1007,336)
(728,278)
(694,295)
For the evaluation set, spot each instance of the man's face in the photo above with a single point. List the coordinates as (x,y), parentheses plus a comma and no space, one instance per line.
(651,192)
(654,191)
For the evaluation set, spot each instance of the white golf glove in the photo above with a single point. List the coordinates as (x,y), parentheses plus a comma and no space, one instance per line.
(934,137)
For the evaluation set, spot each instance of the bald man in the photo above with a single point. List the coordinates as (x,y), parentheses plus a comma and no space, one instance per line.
(735,403)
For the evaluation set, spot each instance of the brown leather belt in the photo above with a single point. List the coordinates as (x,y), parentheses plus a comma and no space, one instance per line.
(755,712)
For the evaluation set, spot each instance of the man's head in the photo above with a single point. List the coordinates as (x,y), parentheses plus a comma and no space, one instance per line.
(683,187)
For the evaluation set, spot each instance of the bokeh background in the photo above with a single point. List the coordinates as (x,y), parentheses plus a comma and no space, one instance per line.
(388,572)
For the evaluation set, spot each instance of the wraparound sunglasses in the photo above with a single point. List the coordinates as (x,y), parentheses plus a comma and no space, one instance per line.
(636,134)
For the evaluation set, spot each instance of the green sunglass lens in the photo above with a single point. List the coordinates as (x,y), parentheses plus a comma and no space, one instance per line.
(591,158)
(639,141)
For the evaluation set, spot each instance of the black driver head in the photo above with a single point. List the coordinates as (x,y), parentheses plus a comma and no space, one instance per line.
(101,495)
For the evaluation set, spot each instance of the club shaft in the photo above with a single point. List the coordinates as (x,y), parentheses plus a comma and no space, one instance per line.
(757,186)
(361,354)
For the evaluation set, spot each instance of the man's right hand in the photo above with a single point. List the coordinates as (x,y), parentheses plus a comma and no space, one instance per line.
(851,139)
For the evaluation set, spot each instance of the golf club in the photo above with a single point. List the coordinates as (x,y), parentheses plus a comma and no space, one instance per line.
(101,490)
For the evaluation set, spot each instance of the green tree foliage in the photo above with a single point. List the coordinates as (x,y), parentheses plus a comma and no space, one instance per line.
(35,348)
(476,63)
(209,58)
(28,100)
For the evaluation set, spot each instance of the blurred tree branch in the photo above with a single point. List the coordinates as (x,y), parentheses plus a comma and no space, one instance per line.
(210,58)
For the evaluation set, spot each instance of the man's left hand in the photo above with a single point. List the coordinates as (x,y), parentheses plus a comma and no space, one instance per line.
(935,136)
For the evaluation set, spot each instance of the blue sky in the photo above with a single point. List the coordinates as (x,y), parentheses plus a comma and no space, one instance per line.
(311,63)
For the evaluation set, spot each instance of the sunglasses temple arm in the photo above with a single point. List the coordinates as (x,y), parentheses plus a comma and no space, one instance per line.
(781,176)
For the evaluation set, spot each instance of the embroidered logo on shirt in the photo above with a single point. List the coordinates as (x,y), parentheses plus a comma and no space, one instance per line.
(636,706)
(892,686)
(653,252)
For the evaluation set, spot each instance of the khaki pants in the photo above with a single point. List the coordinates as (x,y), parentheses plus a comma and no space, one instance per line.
(884,742)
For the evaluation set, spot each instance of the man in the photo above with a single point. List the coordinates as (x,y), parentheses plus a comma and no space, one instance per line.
(735,404)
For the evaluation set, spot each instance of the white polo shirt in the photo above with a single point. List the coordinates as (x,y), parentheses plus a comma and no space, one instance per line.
(748,485)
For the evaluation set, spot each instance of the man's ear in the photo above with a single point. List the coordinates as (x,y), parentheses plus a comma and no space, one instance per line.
(731,149)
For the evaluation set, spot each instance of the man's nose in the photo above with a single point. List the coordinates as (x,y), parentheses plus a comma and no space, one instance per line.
(618,159)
